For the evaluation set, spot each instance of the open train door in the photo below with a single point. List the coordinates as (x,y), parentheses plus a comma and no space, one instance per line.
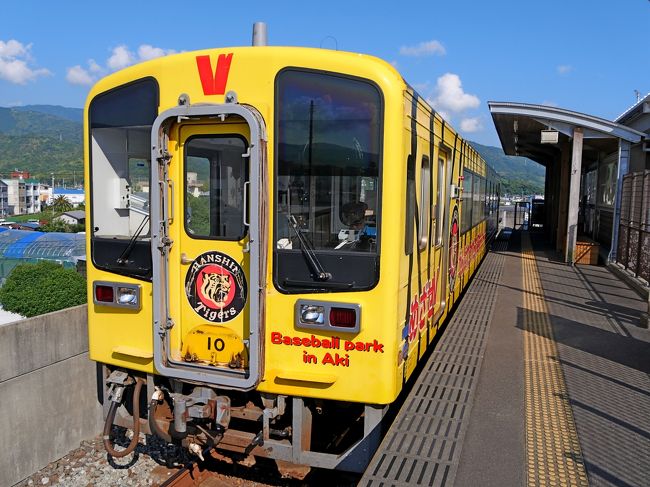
(208,238)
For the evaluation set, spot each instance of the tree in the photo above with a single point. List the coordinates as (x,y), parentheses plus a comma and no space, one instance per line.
(60,204)
(58,225)
(35,289)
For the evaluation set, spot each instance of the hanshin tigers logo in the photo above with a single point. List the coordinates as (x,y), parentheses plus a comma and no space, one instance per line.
(215,287)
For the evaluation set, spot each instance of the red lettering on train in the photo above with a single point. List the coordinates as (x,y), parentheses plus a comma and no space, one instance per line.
(422,308)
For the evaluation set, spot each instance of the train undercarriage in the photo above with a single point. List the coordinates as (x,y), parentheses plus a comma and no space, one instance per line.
(298,433)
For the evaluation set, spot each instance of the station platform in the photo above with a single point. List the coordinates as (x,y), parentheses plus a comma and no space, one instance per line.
(541,378)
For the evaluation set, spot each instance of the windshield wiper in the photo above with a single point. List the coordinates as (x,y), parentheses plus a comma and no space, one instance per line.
(308,251)
(124,256)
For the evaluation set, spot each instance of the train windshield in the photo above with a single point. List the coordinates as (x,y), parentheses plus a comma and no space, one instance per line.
(328,155)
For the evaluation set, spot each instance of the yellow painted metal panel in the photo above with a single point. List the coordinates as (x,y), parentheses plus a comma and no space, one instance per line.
(366,367)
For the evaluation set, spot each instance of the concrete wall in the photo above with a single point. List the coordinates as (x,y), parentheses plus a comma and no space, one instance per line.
(48,391)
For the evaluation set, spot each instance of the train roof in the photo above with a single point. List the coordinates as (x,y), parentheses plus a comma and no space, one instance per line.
(247,65)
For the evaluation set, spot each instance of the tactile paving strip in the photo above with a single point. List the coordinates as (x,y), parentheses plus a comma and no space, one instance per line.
(423,445)
(553,452)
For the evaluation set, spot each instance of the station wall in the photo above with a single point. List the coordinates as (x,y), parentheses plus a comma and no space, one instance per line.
(48,398)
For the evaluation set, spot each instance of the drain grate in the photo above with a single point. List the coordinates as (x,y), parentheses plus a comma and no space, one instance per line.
(423,445)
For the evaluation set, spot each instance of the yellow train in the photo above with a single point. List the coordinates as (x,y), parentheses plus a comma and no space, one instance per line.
(275,236)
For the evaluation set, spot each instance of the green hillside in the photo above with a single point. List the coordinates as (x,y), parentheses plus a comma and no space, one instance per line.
(72,114)
(21,122)
(41,139)
(518,175)
(41,156)
(46,139)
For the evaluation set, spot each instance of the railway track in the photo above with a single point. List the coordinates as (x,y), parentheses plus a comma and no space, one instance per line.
(190,475)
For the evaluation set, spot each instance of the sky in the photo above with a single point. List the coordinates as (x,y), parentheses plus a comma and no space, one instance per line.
(590,56)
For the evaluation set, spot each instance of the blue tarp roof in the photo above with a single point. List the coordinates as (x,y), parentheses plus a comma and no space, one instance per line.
(25,244)
(68,191)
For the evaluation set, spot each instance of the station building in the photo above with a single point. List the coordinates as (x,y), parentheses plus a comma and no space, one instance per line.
(597,176)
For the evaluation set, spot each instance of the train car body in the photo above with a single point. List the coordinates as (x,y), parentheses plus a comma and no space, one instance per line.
(275,237)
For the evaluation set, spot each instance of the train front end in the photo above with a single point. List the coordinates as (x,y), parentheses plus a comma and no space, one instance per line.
(237,226)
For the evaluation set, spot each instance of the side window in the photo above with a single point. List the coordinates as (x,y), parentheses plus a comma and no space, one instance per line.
(479,197)
(215,173)
(466,215)
(410,205)
(442,181)
(425,203)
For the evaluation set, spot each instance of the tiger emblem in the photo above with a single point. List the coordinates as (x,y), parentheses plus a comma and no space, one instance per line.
(215,288)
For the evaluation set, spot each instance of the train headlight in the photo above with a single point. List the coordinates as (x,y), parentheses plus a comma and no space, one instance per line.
(127,296)
(312,314)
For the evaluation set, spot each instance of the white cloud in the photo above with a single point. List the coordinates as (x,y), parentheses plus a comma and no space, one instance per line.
(121,58)
(472,124)
(14,63)
(12,49)
(146,52)
(564,69)
(450,97)
(93,66)
(79,76)
(428,48)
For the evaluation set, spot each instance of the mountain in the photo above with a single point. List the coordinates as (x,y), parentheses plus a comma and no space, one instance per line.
(46,139)
(22,122)
(41,139)
(72,114)
(518,175)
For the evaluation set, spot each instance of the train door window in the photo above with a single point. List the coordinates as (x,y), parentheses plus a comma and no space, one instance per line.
(215,173)
(425,203)
(466,213)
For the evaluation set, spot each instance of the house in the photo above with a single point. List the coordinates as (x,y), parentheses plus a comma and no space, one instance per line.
(76,217)
(4,199)
(74,196)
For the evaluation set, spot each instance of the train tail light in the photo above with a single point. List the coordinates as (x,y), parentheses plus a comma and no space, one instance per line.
(343,317)
(104,294)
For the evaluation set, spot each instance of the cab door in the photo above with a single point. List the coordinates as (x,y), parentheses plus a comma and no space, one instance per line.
(210,275)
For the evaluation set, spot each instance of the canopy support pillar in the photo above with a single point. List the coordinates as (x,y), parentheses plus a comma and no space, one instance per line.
(574,196)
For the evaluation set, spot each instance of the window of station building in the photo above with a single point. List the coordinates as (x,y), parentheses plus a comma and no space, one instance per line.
(466,213)
(425,203)
(589,187)
(607,182)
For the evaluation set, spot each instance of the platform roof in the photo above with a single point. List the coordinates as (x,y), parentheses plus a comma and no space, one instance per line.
(519,126)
